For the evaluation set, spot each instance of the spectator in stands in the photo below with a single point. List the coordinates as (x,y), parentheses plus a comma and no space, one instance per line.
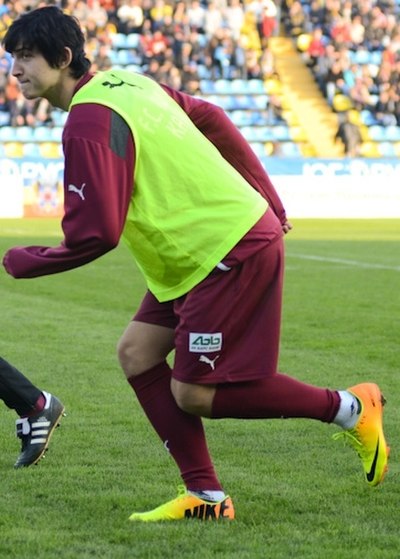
(349,134)
(5,109)
(42,112)
(234,16)
(334,81)
(296,21)
(130,16)
(159,11)
(190,80)
(361,93)
(385,108)
(254,68)
(322,68)
(356,32)
(340,31)
(196,16)
(174,78)
(213,19)
(97,14)
(316,48)
(267,63)
(316,15)
(269,19)
(274,109)
(102,60)
(5,65)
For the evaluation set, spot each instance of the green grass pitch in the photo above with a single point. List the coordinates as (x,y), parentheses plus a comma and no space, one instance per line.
(297,493)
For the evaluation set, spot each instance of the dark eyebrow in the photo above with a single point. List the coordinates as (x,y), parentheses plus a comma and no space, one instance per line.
(22,49)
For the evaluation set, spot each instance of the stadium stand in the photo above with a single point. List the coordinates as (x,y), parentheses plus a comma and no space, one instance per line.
(284,71)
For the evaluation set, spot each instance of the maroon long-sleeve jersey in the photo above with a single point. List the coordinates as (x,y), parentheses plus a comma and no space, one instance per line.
(99,154)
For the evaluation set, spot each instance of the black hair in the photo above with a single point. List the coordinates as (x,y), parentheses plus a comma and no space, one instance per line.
(49,30)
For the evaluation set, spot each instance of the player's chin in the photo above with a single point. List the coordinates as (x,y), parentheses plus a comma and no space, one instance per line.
(29,92)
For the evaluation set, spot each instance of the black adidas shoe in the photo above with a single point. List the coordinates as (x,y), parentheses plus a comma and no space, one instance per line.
(35,431)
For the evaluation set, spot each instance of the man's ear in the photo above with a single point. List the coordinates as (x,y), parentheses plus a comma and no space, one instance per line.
(66,58)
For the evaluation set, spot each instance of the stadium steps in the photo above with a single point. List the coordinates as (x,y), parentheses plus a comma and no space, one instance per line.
(302,94)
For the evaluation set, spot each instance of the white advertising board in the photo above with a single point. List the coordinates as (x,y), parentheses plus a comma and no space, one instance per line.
(339,197)
(11,195)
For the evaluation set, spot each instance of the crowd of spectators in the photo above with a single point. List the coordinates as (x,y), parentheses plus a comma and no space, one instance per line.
(353,50)
(351,46)
(179,43)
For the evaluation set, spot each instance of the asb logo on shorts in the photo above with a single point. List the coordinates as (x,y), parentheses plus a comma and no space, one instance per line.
(205,343)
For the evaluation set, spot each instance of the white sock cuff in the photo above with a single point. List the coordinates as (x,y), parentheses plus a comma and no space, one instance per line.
(347,415)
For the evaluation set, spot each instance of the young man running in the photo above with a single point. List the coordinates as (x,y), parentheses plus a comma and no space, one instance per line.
(174,177)
(39,411)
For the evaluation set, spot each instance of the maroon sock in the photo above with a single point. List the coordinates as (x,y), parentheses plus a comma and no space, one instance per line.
(182,433)
(39,406)
(279,396)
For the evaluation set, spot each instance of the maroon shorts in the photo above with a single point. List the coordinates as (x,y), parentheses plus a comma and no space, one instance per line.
(227,328)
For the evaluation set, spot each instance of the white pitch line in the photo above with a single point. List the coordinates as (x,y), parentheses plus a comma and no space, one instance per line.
(355,263)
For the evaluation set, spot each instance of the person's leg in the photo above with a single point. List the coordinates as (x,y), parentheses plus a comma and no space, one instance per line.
(39,411)
(142,352)
(278,396)
(251,296)
(358,410)
(17,392)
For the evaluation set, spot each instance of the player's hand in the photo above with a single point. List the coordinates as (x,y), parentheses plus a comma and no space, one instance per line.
(286,227)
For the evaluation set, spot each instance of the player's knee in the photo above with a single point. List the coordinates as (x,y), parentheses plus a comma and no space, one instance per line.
(129,357)
(191,398)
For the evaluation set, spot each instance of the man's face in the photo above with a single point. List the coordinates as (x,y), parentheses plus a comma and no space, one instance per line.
(36,78)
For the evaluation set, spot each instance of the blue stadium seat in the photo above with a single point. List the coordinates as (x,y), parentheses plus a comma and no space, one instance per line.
(132,41)
(281,133)
(226,102)
(387,149)
(42,134)
(7,134)
(4,118)
(203,71)
(392,133)
(250,134)
(59,117)
(264,133)
(377,132)
(239,86)
(260,101)
(118,40)
(255,86)
(368,118)
(245,102)
(24,134)
(113,55)
(375,57)
(259,118)
(241,118)
(361,57)
(207,86)
(134,68)
(224,87)
(258,148)
(56,133)
(290,149)
(31,149)
(124,57)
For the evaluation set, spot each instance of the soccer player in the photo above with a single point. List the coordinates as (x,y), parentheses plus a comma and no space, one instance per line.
(171,174)
(39,411)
